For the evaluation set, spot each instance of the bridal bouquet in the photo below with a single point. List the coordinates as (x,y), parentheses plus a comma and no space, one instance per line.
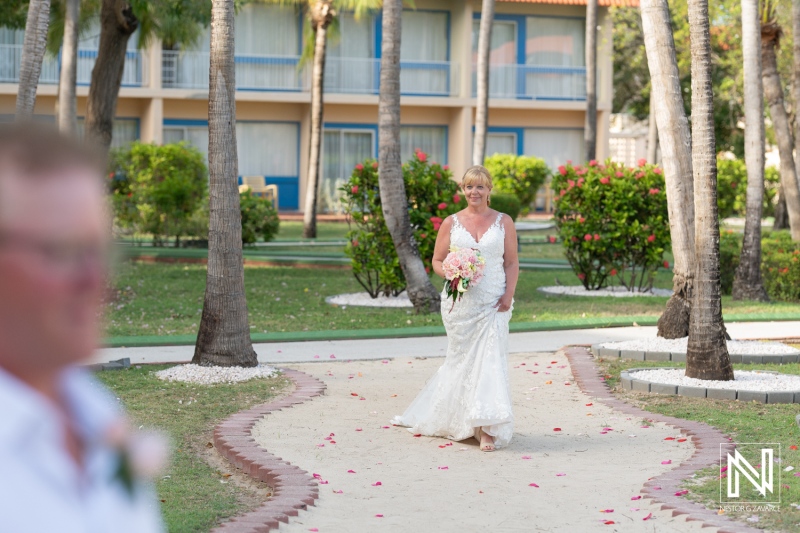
(463,269)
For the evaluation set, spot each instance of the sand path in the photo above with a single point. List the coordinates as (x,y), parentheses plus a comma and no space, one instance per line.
(433,485)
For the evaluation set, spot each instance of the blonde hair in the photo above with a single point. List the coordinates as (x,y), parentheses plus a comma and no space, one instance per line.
(477,174)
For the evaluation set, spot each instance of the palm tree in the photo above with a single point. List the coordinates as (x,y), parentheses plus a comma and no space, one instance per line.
(676,151)
(652,131)
(707,353)
(67,112)
(390,174)
(117,24)
(177,21)
(771,33)
(482,111)
(796,94)
(33,49)
(590,128)
(747,285)
(224,335)
(321,14)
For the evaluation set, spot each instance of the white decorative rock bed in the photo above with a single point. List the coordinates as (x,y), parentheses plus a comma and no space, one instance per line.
(365,300)
(212,375)
(763,386)
(617,292)
(658,349)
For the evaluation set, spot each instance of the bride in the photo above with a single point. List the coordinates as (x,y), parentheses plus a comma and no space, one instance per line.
(469,395)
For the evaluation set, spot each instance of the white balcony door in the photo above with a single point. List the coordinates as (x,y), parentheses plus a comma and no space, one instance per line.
(555,46)
(555,145)
(423,53)
(502,58)
(432,140)
(342,150)
(267,47)
(501,143)
(350,64)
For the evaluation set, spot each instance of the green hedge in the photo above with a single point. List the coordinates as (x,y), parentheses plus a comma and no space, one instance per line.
(506,203)
(780,264)
(521,176)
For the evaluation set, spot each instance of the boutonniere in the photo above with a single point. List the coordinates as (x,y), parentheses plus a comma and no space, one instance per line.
(140,455)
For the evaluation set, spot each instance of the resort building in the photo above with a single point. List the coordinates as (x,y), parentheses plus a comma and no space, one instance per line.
(537,88)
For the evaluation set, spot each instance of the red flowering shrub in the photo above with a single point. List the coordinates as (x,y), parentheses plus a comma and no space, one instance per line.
(432,196)
(613,222)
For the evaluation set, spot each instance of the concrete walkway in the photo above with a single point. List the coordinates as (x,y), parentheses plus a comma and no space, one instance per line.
(368,468)
(280,353)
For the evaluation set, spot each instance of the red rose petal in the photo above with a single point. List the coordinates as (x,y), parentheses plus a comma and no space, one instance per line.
(556,429)
(377,484)
(351,471)
(648,517)
(636,497)
(533,485)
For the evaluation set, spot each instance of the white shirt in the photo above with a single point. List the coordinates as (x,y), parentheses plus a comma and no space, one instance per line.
(42,489)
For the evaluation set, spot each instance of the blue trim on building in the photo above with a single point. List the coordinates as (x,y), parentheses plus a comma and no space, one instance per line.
(354,126)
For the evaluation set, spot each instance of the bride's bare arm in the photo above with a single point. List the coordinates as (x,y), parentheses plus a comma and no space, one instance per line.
(442,246)
(510,264)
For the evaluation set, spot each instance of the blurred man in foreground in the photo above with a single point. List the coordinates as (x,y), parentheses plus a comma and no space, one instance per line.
(67,461)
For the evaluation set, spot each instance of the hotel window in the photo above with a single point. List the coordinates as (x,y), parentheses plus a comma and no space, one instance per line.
(268,149)
(123,131)
(556,47)
(500,143)
(555,145)
(432,140)
(502,58)
(342,150)
(423,53)
(350,64)
(267,47)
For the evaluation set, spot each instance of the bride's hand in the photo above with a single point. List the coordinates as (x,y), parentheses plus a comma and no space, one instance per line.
(504,303)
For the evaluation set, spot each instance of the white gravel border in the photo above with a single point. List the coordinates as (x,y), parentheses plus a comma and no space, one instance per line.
(212,375)
(365,300)
(618,292)
(658,344)
(749,380)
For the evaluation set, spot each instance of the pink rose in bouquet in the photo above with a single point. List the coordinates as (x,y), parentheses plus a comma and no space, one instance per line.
(463,269)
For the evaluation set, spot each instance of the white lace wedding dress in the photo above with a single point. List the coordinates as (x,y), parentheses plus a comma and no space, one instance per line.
(470,389)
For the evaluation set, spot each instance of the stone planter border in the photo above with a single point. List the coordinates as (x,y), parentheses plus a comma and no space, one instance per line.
(630,382)
(293,488)
(640,355)
(662,489)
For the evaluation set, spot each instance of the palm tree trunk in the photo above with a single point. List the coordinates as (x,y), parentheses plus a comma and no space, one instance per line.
(33,49)
(321,16)
(482,111)
(781,215)
(707,353)
(590,128)
(390,174)
(117,24)
(224,335)
(67,105)
(747,285)
(676,154)
(652,132)
(770,33)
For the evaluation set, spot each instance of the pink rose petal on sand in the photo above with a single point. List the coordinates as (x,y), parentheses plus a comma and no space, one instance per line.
(667,462)
(316,357)
(444,468)
(418,435)
(636,497)
(556,429)
(377,484)
(634,508)
(316,476)
(333,356)
(378,516)
(338,491)
(321,482)
(526,456)
(351,471)
(313,529)
(682,493)
(561,474)
(533,485)
(385,427)
(607,510)
(359,429)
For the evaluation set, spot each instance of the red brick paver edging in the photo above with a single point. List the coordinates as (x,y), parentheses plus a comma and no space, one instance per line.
(293,488)
(662,489)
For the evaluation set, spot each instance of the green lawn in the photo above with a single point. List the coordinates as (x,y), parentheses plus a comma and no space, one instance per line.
(744,422)
(166,299)
(194,495)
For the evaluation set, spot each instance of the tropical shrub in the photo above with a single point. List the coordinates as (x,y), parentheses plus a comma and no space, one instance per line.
(506,203)
(780,263)
(613,222)
(432,196)
(521,176)
(730,248)
(259,218)
(157,189)
(732,188)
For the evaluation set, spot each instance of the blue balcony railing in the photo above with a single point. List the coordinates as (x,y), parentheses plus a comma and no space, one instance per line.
(535,82)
